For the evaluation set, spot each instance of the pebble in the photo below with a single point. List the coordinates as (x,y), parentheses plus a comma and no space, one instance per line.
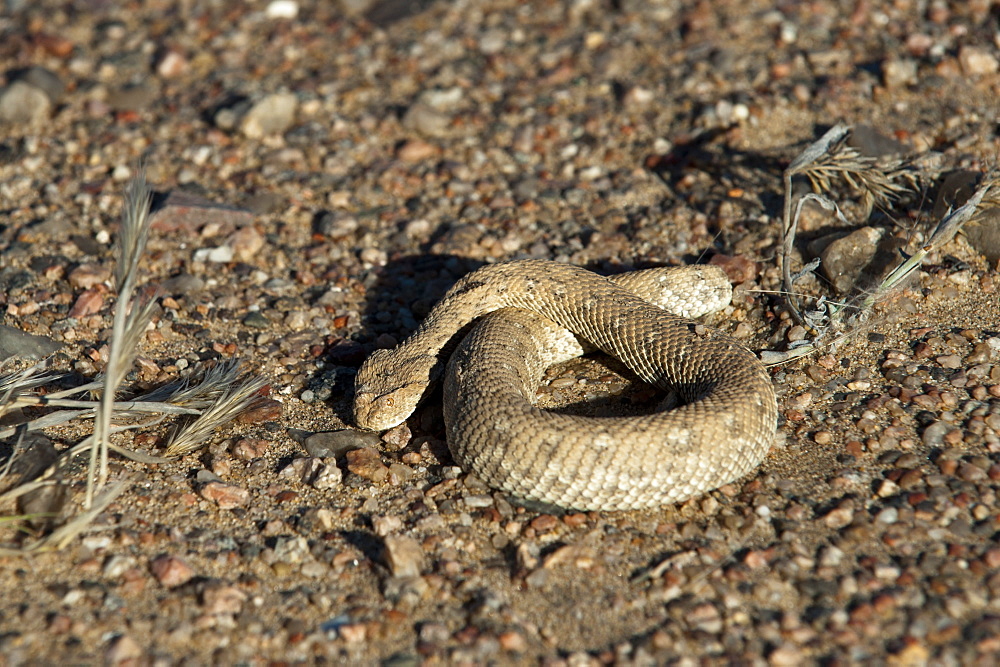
(89,302)
(116,566)
(304,470)
(978,61)
(738,268)
(256,320)
(823,437)
(384,525)
(899,72)
(220,254)
(250,449)
(403,555)
(705,617)
(227,496)
(244,244)
(367,463)
(17,343)
(427,121)
(134,96)
(272,115)
(933,435)
(839,517)
(397,437)
(416,150)
(786,655)
(123,651)
(188,213)
(291,550)
(983,234)
(950,361)
(328,477)
(282,9)
(512,642)
(86,276)
(182,284)
(171,571)
(334,444)
(172,65)
(262,410)
(869,141)
(223,600)
(23,104)
(43,79)
(844,259)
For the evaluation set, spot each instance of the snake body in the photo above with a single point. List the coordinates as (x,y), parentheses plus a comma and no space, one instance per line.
(722,430)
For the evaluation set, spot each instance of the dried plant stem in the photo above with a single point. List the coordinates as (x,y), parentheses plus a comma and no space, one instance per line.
(118,406)
(226,407)
(128,326)
(790,221)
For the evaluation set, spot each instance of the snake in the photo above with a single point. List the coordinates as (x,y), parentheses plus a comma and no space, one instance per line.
(495,332)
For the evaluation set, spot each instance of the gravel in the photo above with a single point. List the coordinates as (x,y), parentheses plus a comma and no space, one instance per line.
(325,171)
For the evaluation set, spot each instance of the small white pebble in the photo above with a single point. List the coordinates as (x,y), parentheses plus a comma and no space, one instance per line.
(220,254)
(282,9)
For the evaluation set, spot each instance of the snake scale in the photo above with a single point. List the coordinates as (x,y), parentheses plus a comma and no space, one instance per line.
(722,430)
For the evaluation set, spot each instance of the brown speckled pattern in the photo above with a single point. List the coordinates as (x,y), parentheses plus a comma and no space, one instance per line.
(722,431)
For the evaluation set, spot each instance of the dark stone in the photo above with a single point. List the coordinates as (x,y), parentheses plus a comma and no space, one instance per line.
(332,444)
(16,343)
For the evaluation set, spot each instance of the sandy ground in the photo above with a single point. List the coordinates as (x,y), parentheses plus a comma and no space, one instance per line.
(326,170)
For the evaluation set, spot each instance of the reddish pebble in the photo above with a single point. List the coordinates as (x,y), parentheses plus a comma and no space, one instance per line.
(86,276)
(367,463)
(738,268)
(55,45)
(416,150)
(170,571)
(248,449)
(755,559)
(188,213)
(262,410)
(60,624)
(88,303)
(227,496)
(285,496)
(513,642)
(544,522)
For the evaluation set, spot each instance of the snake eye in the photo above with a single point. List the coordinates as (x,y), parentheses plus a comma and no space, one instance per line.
(388,402)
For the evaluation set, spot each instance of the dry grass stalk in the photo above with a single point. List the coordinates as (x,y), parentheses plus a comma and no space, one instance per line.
(218,395)
(129,322)
(227,406)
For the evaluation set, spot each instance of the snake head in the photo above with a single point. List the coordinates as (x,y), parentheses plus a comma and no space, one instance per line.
(386,391)
(378,412)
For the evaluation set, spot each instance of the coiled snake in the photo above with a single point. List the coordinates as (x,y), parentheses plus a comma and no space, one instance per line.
(722,430)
